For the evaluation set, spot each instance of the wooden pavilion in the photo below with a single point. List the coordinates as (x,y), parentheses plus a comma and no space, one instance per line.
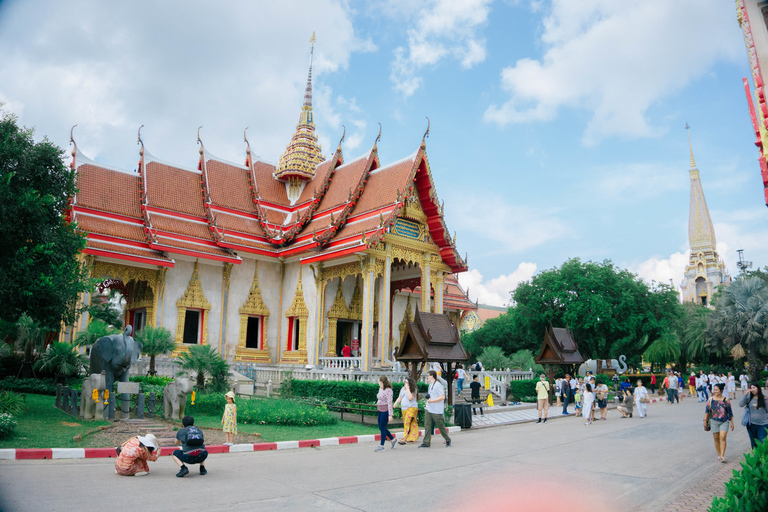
(558,349)
(432,337)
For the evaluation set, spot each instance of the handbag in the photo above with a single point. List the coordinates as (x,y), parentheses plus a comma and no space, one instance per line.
(745,420)
(707,424)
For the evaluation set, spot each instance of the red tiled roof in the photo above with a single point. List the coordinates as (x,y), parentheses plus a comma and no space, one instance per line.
(180,226)
(110,227)
(126,249)
(239,223)
(228,186)
(382,187)
(174,189)
(270,189)
(108,190)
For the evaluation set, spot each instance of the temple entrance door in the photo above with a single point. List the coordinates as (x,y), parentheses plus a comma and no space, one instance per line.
(343,335)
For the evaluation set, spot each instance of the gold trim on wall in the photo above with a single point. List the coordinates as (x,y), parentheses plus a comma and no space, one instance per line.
(253,306)
(193,298)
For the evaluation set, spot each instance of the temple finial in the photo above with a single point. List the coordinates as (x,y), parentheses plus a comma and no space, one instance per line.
(72,141)
(343,135)
(688,129)
(378,138)
(140,142)
(426,133)
(198,139)
(308,91)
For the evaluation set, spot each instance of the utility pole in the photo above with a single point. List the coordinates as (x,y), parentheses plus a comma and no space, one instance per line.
(743,265)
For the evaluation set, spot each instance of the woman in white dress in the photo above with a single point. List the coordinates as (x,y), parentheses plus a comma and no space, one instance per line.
(588,401)
(641,399)
(731,386)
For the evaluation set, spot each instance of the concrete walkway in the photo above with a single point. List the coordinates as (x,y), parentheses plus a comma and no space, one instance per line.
(619,464)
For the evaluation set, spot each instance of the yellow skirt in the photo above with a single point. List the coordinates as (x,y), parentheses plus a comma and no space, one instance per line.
(410,425)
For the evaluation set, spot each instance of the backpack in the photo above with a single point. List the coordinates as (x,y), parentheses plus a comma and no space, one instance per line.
(194,436)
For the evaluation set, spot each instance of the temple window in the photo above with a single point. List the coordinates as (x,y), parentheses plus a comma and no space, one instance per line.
(253,332)
(192,319)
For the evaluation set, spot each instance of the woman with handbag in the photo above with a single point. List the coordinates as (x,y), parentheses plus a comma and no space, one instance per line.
(602,399)
(641,399)
(717,417)
(755,415)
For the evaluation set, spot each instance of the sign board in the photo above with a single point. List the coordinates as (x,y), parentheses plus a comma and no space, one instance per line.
(355,344)
(128,387)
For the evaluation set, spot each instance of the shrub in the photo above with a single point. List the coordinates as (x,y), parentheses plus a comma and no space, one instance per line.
(264,411)
(155,380)
(10,403)
(7,425)
(37,386)
(523,390)
(63,360)
(748,489)
(342,390)
(494,358)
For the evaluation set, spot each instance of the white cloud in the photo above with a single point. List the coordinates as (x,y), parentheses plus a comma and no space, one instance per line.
(173,66)
(496,291)
(661,270)
(641,181)
(616,59)
(442,29)
(506,228)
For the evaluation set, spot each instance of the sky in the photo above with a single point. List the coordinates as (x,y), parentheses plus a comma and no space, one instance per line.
(557,128)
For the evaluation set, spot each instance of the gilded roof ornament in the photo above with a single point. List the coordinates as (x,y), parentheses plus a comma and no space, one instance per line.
(426,134)
(202,150)
(74,144)
(140,142)
(688,129)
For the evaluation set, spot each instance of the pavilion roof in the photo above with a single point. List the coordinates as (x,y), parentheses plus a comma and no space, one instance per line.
(431,337)
(559,347)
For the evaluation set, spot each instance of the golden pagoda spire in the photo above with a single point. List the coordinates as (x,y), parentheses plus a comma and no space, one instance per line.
(690,146)
(303,153)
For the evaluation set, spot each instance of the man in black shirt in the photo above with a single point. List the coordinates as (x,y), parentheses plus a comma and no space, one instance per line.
(475,396)
(192,448)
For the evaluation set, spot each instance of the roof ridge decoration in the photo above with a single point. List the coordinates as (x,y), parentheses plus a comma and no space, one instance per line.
(354,195)
(149,232)
(73,164)
(303,153)
(202,166)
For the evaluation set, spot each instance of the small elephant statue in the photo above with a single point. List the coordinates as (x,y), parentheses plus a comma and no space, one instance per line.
(175,398)
(619,366)
(89,409)
(113,356)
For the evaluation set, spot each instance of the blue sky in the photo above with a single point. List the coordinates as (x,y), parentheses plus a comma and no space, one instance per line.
(557,127)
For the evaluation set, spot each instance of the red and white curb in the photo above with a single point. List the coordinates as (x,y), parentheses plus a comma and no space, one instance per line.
(96,453)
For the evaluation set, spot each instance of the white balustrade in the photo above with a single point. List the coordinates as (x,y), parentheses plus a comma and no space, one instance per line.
(341,363)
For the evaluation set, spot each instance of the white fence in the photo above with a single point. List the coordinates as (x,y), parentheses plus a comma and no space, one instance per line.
(340,363)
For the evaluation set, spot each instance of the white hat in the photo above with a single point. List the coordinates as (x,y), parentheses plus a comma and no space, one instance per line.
(149,440)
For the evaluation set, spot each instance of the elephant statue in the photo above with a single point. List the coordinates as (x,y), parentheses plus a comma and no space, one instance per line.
(175,398)
(113,356)
(591,365)
(89,409)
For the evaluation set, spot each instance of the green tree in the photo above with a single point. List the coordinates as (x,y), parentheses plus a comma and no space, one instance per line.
(104,310)
(511,331)
(689,329)
(95,330)
(493,358)
(662,350)
(203,359)
(524,360)
(609,310)
(63,360)
(39,270)
(740,321)
(155,341)
(30,336)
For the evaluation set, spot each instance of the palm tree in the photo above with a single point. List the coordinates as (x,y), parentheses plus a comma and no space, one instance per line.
(63,360)
(662,350)
(95,330)
(741,319)
(203,359)
(30,336)
(155,341)
(689,329)
(494,358)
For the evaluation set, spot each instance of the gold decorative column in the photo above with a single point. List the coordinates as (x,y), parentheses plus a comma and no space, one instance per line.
(439,280)
(226,273)
(369,288)
(319,310)
(426,288)
(338,310)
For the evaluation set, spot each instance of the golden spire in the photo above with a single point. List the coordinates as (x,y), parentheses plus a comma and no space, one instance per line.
(303,153)
(688,129)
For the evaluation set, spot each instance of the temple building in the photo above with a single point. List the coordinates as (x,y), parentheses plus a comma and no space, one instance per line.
(272,263)
(475,319)
(705,270)
(753,19)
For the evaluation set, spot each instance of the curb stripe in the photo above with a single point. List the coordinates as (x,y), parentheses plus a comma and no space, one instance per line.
(68,453)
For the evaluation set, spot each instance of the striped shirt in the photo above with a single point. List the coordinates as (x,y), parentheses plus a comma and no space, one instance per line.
(133,458)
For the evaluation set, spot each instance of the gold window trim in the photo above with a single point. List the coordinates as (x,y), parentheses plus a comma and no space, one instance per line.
(298,309)
(253,306)
(193,298)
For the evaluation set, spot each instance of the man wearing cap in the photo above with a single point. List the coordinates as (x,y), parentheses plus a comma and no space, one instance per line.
(132,457)
(191,452)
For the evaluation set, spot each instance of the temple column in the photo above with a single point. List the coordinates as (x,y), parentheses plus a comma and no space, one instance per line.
(384,305)
(226,273)
(439,282)
(426,288)
(369,288)
(320,311)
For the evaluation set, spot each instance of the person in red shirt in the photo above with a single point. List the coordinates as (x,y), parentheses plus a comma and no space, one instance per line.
(346,351)
(653,383)
(692,384)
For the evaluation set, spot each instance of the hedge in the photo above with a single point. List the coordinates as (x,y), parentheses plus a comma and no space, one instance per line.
(345,391)
(36,386)
(263,411)
(523,390)
(747,491)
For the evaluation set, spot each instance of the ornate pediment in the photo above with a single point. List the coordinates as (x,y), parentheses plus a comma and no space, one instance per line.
(254,305)
(193,297)
(356,305)
(298,306)
(339,308)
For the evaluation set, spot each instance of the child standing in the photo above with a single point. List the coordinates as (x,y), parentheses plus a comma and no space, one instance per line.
(229,420)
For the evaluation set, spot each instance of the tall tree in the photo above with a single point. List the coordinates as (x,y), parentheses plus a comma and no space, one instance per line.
(155,341)
(740,321)
(689,328)
(39,270)
(609,310)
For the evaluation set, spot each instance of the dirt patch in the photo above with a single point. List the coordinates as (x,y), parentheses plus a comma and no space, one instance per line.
(119,432)
(68,424)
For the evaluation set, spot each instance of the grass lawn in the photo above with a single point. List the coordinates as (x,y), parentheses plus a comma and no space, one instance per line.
(42,425)
(274,433)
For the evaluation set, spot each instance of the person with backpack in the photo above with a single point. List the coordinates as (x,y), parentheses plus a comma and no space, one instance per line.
(192,450)
(229,419)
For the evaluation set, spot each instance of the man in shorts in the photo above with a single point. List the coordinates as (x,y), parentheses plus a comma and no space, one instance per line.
(192,448)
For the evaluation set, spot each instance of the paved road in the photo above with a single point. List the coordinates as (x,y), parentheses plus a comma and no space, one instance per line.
(619,464)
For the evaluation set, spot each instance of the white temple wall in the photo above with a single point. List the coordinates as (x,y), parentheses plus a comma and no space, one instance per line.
(176,281)
(212,281)
(310,298)
(269,284)
(240,281)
